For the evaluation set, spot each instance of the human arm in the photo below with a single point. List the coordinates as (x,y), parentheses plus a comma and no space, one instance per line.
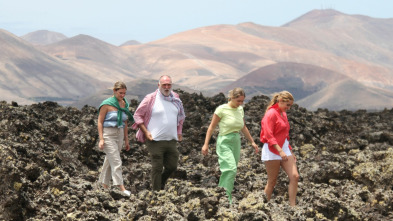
(180,130)
(126,141)
(281,152)
(143,111)
(268,125)
(145,131)
(246,133)
(100,126)
(212,126)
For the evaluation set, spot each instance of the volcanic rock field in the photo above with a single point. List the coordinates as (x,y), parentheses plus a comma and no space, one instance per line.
(50,165)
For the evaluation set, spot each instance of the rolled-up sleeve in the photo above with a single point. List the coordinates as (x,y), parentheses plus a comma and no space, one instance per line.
(268,127)
(141,111)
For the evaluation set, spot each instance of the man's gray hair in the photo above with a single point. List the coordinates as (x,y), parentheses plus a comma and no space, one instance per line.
(159,80)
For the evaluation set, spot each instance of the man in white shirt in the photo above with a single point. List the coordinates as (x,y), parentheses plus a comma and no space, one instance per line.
(160,118)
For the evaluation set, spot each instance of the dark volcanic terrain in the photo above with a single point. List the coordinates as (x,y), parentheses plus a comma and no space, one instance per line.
(50,164)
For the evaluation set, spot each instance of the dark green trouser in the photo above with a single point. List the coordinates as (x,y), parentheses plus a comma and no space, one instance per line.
(164,157)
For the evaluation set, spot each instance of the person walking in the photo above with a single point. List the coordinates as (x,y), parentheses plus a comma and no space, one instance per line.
(113,116)
(159,119)
(276,151)
(230,118)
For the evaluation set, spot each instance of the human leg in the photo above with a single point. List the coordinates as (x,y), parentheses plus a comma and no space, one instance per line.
(156,159)
(171,158)
(272,169)
(112,163)
(105,174)
(290,169)
(228,152)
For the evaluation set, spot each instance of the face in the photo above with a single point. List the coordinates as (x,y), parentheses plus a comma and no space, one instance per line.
(236,102)
(285,105)
(120,94)
(165,85)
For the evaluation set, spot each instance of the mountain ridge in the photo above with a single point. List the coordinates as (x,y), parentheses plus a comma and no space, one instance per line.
(209,59)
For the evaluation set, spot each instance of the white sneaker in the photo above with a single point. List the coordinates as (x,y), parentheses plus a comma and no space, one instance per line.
(126,192)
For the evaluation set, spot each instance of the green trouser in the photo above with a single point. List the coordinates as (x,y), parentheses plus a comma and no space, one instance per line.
(228,151)
(164,157)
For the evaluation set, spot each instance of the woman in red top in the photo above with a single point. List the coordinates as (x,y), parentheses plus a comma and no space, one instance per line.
(276,151)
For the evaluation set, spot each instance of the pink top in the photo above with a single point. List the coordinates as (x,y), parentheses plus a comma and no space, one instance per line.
(143,115)
(275,128)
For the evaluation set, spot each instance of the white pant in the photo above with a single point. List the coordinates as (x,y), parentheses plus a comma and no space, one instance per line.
(114,139)
(268,155)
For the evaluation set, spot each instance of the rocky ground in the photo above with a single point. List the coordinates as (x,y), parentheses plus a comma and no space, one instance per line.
(50,164)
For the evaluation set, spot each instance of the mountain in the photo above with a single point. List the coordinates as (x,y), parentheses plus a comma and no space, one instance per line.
(350,95)
(355,38)
(303,56)
(131,42)
(33,75)
(43,37)
(300,79)
(96,58)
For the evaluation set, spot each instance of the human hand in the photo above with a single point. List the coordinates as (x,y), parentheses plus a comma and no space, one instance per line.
(127,146)
(255,147)
(283,155)
(205,149)
(148,136)
(179,137)
(101,144)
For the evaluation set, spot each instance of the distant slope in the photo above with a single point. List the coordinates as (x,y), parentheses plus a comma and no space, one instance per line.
(350,95)
(131,42)
(33,75)
(361,39)
(301,80)
(321,43)
(43,37)
(98,59)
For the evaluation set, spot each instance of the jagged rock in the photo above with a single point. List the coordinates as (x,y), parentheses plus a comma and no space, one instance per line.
(50,165)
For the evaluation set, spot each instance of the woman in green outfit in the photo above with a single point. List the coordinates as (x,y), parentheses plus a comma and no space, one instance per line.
(230,118)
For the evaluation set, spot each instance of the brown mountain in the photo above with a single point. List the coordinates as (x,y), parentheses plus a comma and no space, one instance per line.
(33,75)
(300,79)
(96,58)
(356,38)
(350,95)
(214,56)
(43,37)
(313,49)
(131,42)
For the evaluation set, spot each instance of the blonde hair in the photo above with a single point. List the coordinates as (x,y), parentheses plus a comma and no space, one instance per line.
(119,85)
(283,95)
(235,93)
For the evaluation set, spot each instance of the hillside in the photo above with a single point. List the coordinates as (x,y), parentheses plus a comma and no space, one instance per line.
(43,37)
(214,58)
(33,75)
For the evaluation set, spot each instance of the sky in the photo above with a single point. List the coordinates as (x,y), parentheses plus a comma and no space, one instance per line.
(118,21)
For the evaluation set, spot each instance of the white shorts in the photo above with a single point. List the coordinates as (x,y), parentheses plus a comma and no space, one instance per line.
(268,155)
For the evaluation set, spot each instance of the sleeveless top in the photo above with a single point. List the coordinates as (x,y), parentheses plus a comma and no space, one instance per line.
(111,119)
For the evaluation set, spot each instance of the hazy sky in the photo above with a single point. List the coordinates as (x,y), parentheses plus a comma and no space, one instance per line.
(117,21)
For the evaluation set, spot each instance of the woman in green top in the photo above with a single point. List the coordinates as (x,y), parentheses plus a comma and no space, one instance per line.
(230,119)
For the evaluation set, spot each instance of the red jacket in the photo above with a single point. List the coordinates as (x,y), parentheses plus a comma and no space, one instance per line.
(275,128)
